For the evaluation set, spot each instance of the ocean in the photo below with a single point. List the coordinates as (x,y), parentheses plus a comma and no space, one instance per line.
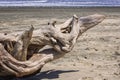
(59,3)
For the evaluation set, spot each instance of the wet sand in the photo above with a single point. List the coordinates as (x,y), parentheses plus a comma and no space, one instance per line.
(96,55)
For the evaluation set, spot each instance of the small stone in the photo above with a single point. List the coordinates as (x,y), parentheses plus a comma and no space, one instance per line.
(85,57)
(5,33)
(92,64)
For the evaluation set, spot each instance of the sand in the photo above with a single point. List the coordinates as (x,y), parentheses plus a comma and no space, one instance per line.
(96,56)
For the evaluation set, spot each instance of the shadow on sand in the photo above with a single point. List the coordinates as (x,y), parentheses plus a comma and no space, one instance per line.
(50,74)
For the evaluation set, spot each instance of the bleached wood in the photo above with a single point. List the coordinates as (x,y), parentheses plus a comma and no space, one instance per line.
(19,52)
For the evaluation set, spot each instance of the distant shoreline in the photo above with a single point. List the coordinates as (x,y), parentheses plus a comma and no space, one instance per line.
(38,8)
(32,7)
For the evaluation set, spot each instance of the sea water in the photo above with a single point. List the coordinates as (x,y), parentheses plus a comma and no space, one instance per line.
(69,3)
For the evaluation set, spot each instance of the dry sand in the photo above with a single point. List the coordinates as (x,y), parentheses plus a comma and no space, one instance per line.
(96,55)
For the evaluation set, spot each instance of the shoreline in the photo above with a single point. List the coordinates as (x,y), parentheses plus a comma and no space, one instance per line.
(61,7)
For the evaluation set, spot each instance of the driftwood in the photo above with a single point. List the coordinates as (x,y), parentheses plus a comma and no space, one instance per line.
(21,54)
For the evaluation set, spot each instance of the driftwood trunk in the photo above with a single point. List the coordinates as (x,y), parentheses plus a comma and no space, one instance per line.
(20,52)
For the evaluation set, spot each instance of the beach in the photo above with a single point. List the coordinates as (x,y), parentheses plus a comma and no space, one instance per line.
(96,55)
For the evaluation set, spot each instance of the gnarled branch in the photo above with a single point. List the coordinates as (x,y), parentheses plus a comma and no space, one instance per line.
(15,48)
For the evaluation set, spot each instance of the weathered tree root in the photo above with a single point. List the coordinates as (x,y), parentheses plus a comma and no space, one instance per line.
(16,47)
(19,68)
